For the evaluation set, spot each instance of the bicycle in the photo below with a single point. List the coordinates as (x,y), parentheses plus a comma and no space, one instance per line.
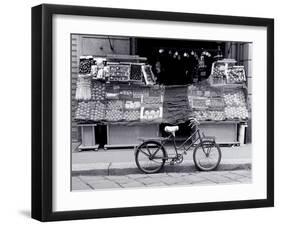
(151,155)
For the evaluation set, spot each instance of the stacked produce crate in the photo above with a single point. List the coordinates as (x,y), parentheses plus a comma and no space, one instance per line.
(114,93)
(221,104)
(207,102)
(227,72)
(236,107)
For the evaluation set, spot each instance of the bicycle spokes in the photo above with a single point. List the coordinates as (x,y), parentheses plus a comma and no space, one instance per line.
(143,152)
(147,148)
(207,156)
(150,157)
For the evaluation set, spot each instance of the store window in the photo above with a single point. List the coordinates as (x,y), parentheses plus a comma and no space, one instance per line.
(179,62)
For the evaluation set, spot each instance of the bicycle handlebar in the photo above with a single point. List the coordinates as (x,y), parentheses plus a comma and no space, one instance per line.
(193,122)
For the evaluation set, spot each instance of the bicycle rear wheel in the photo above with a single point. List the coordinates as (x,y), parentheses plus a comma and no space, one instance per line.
(150,157)
(207,156)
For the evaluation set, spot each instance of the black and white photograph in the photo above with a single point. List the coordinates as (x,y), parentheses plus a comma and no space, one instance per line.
(152,112)
(118,112)
(141,112)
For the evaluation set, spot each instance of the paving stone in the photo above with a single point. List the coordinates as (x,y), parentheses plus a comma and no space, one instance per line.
(133,184)
(77,184)
(204,182)
(158,175)
(178,174)
(119,179)
(161,179)
(116,177)
(122,180)
(246,173)
(232,176)
(103,185)
(245,180)
(171,180)
(92,178)
(184,182)
(147,180)
(205,173)
(136,176)
(217,178)
(160,184)
(193,178)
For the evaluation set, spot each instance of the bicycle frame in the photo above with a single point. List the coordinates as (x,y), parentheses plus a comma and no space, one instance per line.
(182,145)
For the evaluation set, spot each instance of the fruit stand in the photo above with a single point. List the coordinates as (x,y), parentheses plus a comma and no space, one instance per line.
(121,95)
(220,103)
(124,96)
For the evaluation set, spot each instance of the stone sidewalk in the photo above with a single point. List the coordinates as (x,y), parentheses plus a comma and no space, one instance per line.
(90,182)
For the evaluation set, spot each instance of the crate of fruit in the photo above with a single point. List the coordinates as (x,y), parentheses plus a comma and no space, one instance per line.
(236,75)
(220,70)
(132,104)
(151,113)
(216,103)
(197,102)
(131,115)
(119,72)
(227,72)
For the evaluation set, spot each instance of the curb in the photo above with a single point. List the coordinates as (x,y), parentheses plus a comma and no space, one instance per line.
(124,168)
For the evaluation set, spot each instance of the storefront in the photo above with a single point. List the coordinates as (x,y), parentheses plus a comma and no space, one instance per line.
(127,88)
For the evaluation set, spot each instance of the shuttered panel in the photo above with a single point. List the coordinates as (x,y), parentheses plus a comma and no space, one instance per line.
(246,60)
(103,45)
(74,75)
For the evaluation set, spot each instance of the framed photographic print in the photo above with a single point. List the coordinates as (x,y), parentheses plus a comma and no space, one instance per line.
(146,112)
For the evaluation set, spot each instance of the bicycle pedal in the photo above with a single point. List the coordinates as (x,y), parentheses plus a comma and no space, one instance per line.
(172,163)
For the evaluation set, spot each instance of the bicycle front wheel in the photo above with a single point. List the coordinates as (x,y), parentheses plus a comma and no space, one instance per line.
(207,156)
(150,157)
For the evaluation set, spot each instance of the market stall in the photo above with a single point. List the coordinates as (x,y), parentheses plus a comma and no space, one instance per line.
(220,102)
(124,96)
(121,94)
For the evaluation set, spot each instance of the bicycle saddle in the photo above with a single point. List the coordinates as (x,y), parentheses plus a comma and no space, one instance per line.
(171,129)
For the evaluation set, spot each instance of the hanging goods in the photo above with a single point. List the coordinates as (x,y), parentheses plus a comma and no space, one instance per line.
(83,89)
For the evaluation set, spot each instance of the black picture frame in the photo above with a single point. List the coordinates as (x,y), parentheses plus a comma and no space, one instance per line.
(42,111)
